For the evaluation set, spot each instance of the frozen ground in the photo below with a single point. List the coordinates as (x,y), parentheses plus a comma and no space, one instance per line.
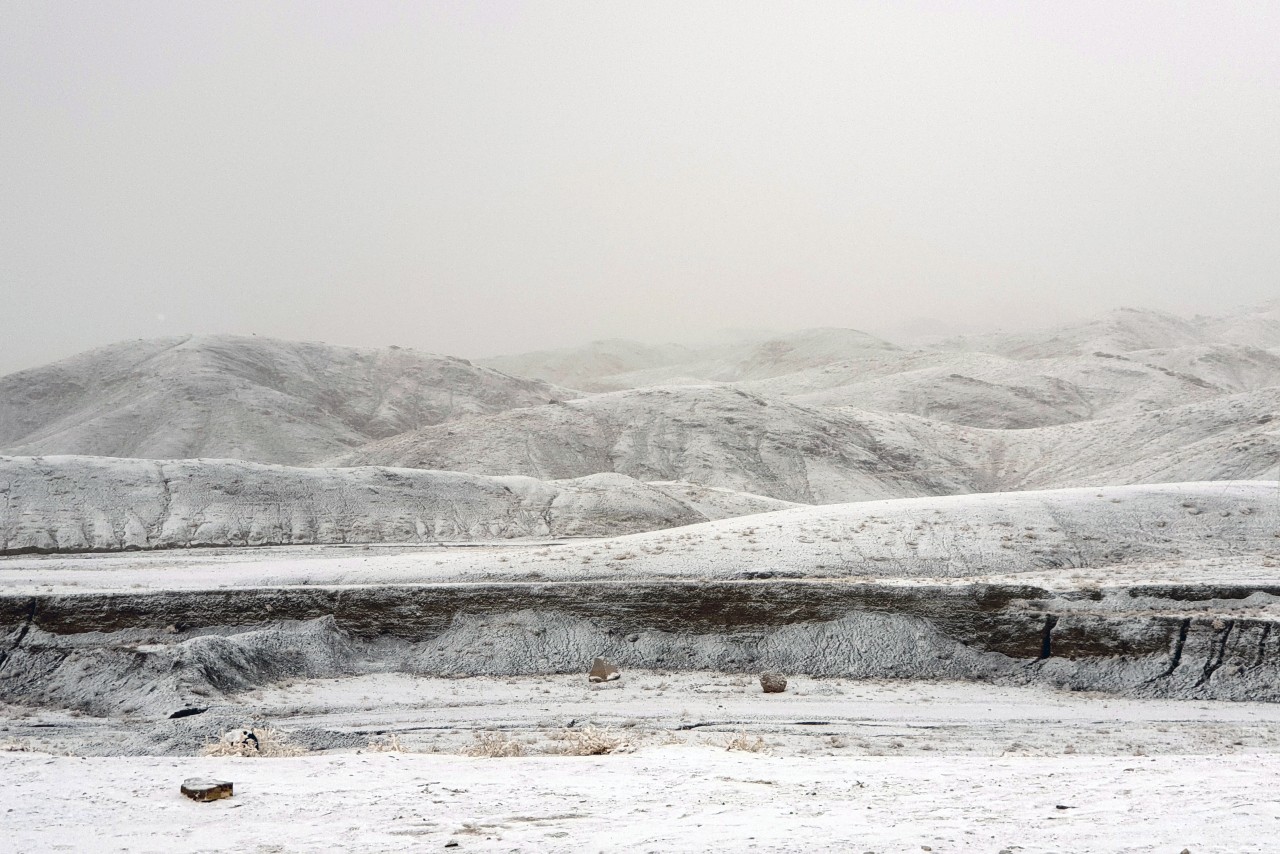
(846,765)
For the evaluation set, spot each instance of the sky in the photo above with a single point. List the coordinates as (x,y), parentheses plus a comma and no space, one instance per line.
(477,178)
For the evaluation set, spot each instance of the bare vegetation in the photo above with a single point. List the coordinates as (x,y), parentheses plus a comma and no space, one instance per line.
(270,744)
(589,741)
(493,745)
(744,742)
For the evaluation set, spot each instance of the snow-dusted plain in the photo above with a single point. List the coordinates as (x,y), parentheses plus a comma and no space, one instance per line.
(668,799)
(838,765)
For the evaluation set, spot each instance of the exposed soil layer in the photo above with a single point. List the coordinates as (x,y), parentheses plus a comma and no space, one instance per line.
(150,651)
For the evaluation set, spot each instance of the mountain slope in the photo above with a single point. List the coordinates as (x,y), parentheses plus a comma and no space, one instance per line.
(246,398)
(1118,331)
(723,436)
(985,390)
(68,503)
(712,435)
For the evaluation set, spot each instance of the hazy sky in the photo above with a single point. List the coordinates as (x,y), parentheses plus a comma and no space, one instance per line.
(483,177)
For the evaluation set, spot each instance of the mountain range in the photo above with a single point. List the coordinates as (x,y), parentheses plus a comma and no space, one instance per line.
(817,416)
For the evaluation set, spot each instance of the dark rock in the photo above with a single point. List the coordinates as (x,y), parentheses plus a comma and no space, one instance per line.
(773,683)
(186,713)
(603,671)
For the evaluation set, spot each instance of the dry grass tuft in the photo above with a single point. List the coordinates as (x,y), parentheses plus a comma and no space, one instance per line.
(272,744)
(390,744)
(589,741)
(742,741)
(495,744)
(17,747)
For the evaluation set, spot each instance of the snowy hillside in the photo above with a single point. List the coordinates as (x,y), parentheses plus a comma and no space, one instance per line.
(723,436)
(244,398)
(1127,362)
(712,435)
(1202,533)
(1050,532)
(1231,437)
(1118,331)
(96,503)
(1128,329)
(985,390)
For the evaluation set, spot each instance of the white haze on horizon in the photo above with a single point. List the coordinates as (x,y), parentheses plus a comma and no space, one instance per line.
(486,178)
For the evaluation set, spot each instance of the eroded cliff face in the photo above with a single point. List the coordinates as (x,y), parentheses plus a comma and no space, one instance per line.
(157,652)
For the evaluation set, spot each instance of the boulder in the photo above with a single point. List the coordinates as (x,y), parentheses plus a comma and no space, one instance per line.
(205,789)
(773,683)
(603,671)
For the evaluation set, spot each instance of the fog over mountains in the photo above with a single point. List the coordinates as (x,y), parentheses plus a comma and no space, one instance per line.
(817,416)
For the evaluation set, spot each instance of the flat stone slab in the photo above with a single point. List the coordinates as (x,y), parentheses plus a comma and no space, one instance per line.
(206,789)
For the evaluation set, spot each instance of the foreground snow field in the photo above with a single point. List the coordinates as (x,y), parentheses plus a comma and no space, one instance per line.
(676,798)
(845,765)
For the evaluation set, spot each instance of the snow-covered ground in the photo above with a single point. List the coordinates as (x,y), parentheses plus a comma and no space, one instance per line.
(1189,532)
(667,799)
(844,765)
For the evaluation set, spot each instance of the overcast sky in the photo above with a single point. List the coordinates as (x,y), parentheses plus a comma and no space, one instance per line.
(484,177)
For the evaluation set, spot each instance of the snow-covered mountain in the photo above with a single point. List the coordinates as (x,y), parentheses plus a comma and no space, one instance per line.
(724,436)
(1254,326)
(817,416)
(68,503)
(1118,331)
(987,390)
(1128,361)
(246,398)
(714,435)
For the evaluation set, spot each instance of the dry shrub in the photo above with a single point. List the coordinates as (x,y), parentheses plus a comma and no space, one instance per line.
(742,741)
(17,747)
(495,744)
(390,744)
(589,741)
(272,744)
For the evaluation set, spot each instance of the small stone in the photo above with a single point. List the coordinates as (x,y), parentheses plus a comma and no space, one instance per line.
(204,789)
(773,683)
(603,671)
